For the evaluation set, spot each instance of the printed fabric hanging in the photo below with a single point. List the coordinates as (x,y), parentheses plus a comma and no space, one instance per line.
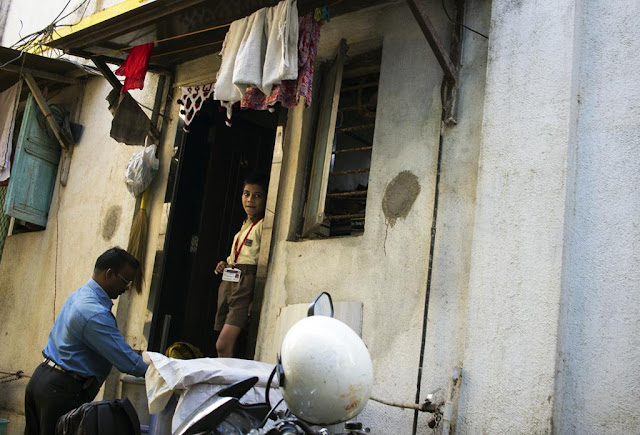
(192,100)
(288,92)
(134,68)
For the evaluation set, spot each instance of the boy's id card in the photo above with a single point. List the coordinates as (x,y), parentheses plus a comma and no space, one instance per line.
(230,274)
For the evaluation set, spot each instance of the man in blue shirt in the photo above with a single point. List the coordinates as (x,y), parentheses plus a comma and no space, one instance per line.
(83,346)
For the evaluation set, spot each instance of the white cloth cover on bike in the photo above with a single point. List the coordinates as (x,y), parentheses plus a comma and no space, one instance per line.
(196,380)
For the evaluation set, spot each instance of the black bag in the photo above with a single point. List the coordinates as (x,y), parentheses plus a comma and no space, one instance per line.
(108,417)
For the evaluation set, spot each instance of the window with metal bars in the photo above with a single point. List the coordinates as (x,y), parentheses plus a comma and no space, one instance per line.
(337,197)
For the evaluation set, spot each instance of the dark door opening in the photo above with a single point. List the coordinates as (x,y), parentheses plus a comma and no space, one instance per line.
(205,214)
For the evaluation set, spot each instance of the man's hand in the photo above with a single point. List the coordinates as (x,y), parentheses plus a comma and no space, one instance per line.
(145,357)
(220,267)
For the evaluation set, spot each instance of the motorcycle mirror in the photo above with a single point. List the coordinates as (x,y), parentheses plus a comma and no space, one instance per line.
(322,305)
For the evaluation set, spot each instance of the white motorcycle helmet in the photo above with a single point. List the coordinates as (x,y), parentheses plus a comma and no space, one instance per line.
(325,369)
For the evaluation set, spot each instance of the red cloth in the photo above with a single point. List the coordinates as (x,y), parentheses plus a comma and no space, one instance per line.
(134,68)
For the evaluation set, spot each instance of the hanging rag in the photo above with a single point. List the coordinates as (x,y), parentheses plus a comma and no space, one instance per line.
(247,70)
(322,15)
(130,124)
(281,57)
(224,90)
(289,92)
(134,68)
(8,106)
(191,101)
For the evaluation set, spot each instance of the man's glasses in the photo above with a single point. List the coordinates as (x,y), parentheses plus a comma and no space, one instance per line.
(126,281)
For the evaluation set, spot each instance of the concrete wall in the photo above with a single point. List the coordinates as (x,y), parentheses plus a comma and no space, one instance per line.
(598,386)
(534,286)
(368,268)
(40,269)
(516,263)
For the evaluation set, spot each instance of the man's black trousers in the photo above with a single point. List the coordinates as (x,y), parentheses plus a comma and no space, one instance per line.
(50,394)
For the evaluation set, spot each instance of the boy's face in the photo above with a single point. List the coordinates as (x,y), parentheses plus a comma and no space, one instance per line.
(254,199)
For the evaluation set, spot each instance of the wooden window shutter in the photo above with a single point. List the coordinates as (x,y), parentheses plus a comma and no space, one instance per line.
(325,133)
(34,170)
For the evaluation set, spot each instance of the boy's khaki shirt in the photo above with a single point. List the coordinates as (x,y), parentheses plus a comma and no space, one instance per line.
(251,249)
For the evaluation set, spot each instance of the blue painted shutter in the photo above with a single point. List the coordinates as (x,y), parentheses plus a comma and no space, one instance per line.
(34,170)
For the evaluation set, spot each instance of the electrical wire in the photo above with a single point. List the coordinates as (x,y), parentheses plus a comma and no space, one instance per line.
(195,32)
(41,37)
(12,60)
(455,22)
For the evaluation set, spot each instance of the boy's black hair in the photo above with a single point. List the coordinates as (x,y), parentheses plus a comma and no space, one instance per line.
(115,259)
(257,178)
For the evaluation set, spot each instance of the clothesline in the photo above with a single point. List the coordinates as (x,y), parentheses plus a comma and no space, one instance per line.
(195,32)
(170,38)
(187,49)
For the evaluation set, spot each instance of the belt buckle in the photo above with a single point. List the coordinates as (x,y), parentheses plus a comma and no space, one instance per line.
(56,366)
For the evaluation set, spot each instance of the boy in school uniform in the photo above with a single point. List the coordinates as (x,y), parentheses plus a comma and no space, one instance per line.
(235,294)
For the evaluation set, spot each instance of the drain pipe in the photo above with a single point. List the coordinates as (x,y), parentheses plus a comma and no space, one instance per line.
(434,220)
(454,392)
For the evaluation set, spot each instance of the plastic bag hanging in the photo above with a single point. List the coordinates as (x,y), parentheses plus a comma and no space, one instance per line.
(141,169)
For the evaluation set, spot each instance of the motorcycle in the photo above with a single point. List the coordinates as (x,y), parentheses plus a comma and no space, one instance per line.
(325,374)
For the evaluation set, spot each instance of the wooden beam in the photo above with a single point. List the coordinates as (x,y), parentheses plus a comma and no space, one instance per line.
(419,9)
(107,73)
(42,74)
(44,107)
(115,83)
(450,94)
(116,60)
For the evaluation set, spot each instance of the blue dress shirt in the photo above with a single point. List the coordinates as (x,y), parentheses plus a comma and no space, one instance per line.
(85,338)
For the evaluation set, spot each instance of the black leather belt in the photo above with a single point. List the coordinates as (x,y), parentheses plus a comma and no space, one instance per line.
(89,385)
(54,365)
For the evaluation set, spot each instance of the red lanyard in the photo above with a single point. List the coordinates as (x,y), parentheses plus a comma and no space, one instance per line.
(237,251)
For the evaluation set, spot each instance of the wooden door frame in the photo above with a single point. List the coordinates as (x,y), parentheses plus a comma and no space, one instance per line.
(267,236)
(155,335)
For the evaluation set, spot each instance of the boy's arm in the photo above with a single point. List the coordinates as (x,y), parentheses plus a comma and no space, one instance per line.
(220,267)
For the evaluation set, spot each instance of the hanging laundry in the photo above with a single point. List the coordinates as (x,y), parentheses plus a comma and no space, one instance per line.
(289,92)
(130,124)
(281,57)
(259,50)
(134,68)
(8,105)
(247,70)
(322,15)
(224,90)
(191,101)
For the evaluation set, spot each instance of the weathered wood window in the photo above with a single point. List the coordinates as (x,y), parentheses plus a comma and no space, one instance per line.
(339,181)
(34,169)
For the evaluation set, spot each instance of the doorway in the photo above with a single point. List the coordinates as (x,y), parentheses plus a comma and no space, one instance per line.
(205,185)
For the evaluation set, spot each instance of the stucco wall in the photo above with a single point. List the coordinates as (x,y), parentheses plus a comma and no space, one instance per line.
(536,259)
(599,385)
(40,269)
(515,283)
(368,268)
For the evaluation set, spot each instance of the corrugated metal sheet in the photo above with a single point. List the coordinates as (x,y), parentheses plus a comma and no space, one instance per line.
(53,73)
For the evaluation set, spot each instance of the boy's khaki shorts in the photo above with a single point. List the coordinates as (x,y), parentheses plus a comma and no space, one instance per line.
(234,299)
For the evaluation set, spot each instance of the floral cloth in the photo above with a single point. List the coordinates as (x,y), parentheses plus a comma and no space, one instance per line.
(288,92)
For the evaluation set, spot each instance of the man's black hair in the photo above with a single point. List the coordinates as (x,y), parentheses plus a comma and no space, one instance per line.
(115,259)
(257,178)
